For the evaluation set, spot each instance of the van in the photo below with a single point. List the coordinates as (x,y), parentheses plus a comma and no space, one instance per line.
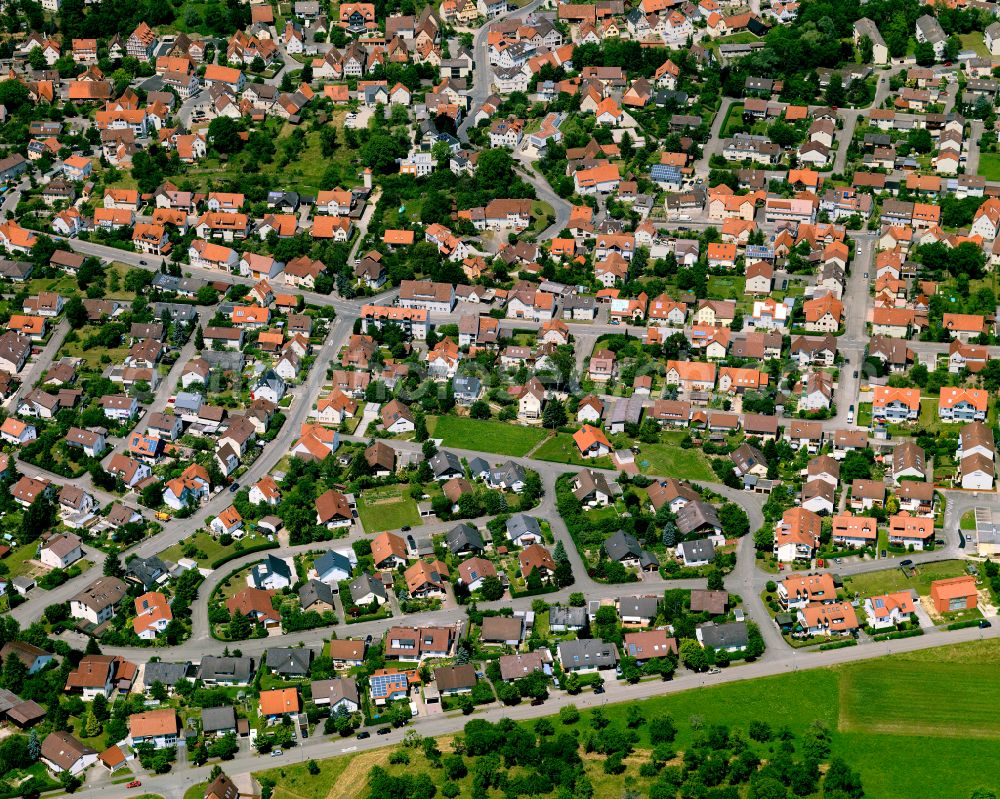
(850,415)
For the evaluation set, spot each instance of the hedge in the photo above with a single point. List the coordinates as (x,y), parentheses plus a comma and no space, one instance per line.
(838,644)
(899,634)
(239,553)
(961,625)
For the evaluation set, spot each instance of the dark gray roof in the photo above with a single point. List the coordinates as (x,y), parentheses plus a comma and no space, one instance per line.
(365,584)
(315,591)
(289,661)
(694,551)
(478,466)
(723,636)
(271,565)
(507,474)
(332,560)
(588,652)
(445,462)
(226,669)
(166,673)
(560,616)
(145,570)
(521,523)
(642,606)
(622,546)
(218,719)
(464,538)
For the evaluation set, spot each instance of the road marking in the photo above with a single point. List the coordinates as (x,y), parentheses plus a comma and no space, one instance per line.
(349,749)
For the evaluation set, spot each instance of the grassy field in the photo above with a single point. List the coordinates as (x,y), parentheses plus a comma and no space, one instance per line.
(66,284)
(485,435)
(929,419)
(917,726)
(18,561)
(387,508)
(883,582)
(885,718)
(974,41)
(563,449)
(989,166)
(305,172)
(92,357)
(876,699)
(338,778)
(668,459)
(727,287)
(208,547)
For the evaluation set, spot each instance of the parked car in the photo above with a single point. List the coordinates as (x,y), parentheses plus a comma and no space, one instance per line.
(234,488)
(384,730)
(275,753)
(984,623)
(364,734)
(134,784)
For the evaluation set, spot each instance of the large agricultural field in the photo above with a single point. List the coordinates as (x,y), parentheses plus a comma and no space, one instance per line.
(909,724)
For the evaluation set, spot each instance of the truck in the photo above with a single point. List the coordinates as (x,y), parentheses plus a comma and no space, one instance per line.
(162,516)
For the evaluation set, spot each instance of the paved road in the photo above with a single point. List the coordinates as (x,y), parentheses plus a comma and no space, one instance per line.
(972,157)
(714,144)
(39,365)
(544,192)
(173,785)
(482,74)
(363,223)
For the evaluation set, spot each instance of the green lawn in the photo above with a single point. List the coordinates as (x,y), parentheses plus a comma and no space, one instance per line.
(303,174)
(968,521)
(668,459)
(877,699)
(92,356)
(989,166)
(727,287)
(17,560)
(734,117)
(929,419)
(889,580)
(208,547)
(563,449)
(387,508)
(295,782)
(916,726)
(974,41)
(502,438)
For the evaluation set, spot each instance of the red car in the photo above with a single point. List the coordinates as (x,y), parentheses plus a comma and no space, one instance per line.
(134,784)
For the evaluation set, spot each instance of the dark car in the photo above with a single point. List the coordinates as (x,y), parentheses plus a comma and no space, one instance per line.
(364,734)
(234,488)
(143,263)
(599,689)
(384,730)
(984,623)
(906,562)
(405,528)
(855,372)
